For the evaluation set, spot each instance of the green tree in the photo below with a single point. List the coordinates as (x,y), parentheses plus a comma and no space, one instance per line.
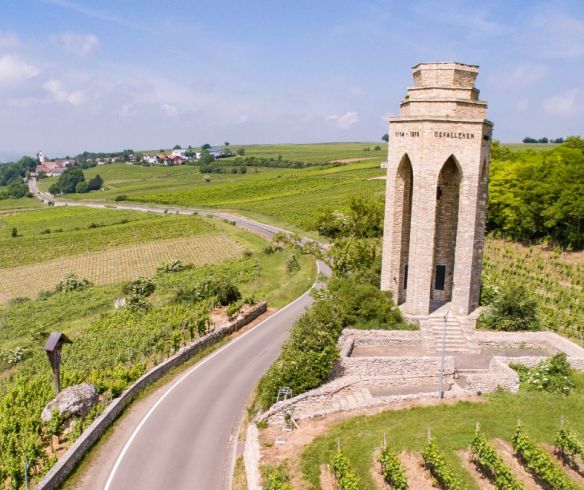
(82,187)
(241,151)
(206,146)
(69,179)
(385,137)
(177,147)
(95,183)
(206,158)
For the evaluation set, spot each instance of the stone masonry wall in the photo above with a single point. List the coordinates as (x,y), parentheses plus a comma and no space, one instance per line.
(399,367)
(429,134)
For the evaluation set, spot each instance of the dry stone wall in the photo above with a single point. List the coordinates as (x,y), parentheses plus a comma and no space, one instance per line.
(63,468)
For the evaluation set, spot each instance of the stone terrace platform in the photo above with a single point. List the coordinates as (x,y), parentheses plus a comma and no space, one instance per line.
(379,367)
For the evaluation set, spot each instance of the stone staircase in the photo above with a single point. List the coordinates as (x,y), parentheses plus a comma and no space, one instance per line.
(458,337)
(356,399)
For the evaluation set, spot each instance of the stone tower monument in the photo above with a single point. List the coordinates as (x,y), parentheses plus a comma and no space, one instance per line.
(437,175)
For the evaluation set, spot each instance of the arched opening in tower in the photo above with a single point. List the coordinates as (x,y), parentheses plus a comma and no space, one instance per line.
(402,208)
(446,220)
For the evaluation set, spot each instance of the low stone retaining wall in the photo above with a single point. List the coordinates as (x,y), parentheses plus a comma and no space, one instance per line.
(549,341)
(381,337)
(305,402)
(500,375)
(63,468)
(407,366)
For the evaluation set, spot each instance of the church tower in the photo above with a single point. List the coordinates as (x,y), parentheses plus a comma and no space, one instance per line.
(436,196)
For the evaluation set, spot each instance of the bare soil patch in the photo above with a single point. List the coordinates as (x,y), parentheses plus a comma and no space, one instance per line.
(482,482)
(327,478)
(521,474)
(416,473)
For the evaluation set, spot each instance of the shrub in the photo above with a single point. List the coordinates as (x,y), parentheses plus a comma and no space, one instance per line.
(436,463)
(292,265)
(538,461)
(567,445)
(137,304)
(346,477)
(308,356)
(169,267)
(121,197)
(71,283)
(233,309)
(489,462)
(141,287)
(513,308)
(276,477)
(392,470)
(553,375)
(364,305)
(221,289)
(82,187)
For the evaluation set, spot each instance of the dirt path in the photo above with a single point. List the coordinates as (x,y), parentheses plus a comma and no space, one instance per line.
(418,477)
(353,160)
(521,474)
(482,482)
(327,478)
(375,472)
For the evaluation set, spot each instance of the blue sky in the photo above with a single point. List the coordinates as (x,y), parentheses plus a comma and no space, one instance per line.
(85,75)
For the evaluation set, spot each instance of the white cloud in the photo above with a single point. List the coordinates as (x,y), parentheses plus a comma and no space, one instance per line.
(522,105)
(9,40)
(170,110)
(13,70)
(563,35)
(59,94)
(126,110)
(564,105)
(345,121)
(81,44)
(521,76)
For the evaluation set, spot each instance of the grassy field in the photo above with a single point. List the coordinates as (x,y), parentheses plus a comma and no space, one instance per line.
(451,425)
(263,277)
(75,231)
(10,205)
(531,146)
(292,198)
(318,152)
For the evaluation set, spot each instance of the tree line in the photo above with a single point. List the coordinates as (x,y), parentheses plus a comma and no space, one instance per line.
(12,176)
(538,195)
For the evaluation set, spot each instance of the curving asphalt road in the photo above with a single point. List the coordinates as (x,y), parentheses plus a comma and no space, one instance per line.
(187,439)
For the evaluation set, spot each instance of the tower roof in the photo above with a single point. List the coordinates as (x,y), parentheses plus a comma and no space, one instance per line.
(450,74)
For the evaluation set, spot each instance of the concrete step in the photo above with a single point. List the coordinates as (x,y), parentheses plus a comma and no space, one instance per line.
(344,403)
(359,398)
(352,401)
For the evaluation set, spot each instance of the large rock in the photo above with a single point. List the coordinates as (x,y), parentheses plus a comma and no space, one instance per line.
(75,400)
